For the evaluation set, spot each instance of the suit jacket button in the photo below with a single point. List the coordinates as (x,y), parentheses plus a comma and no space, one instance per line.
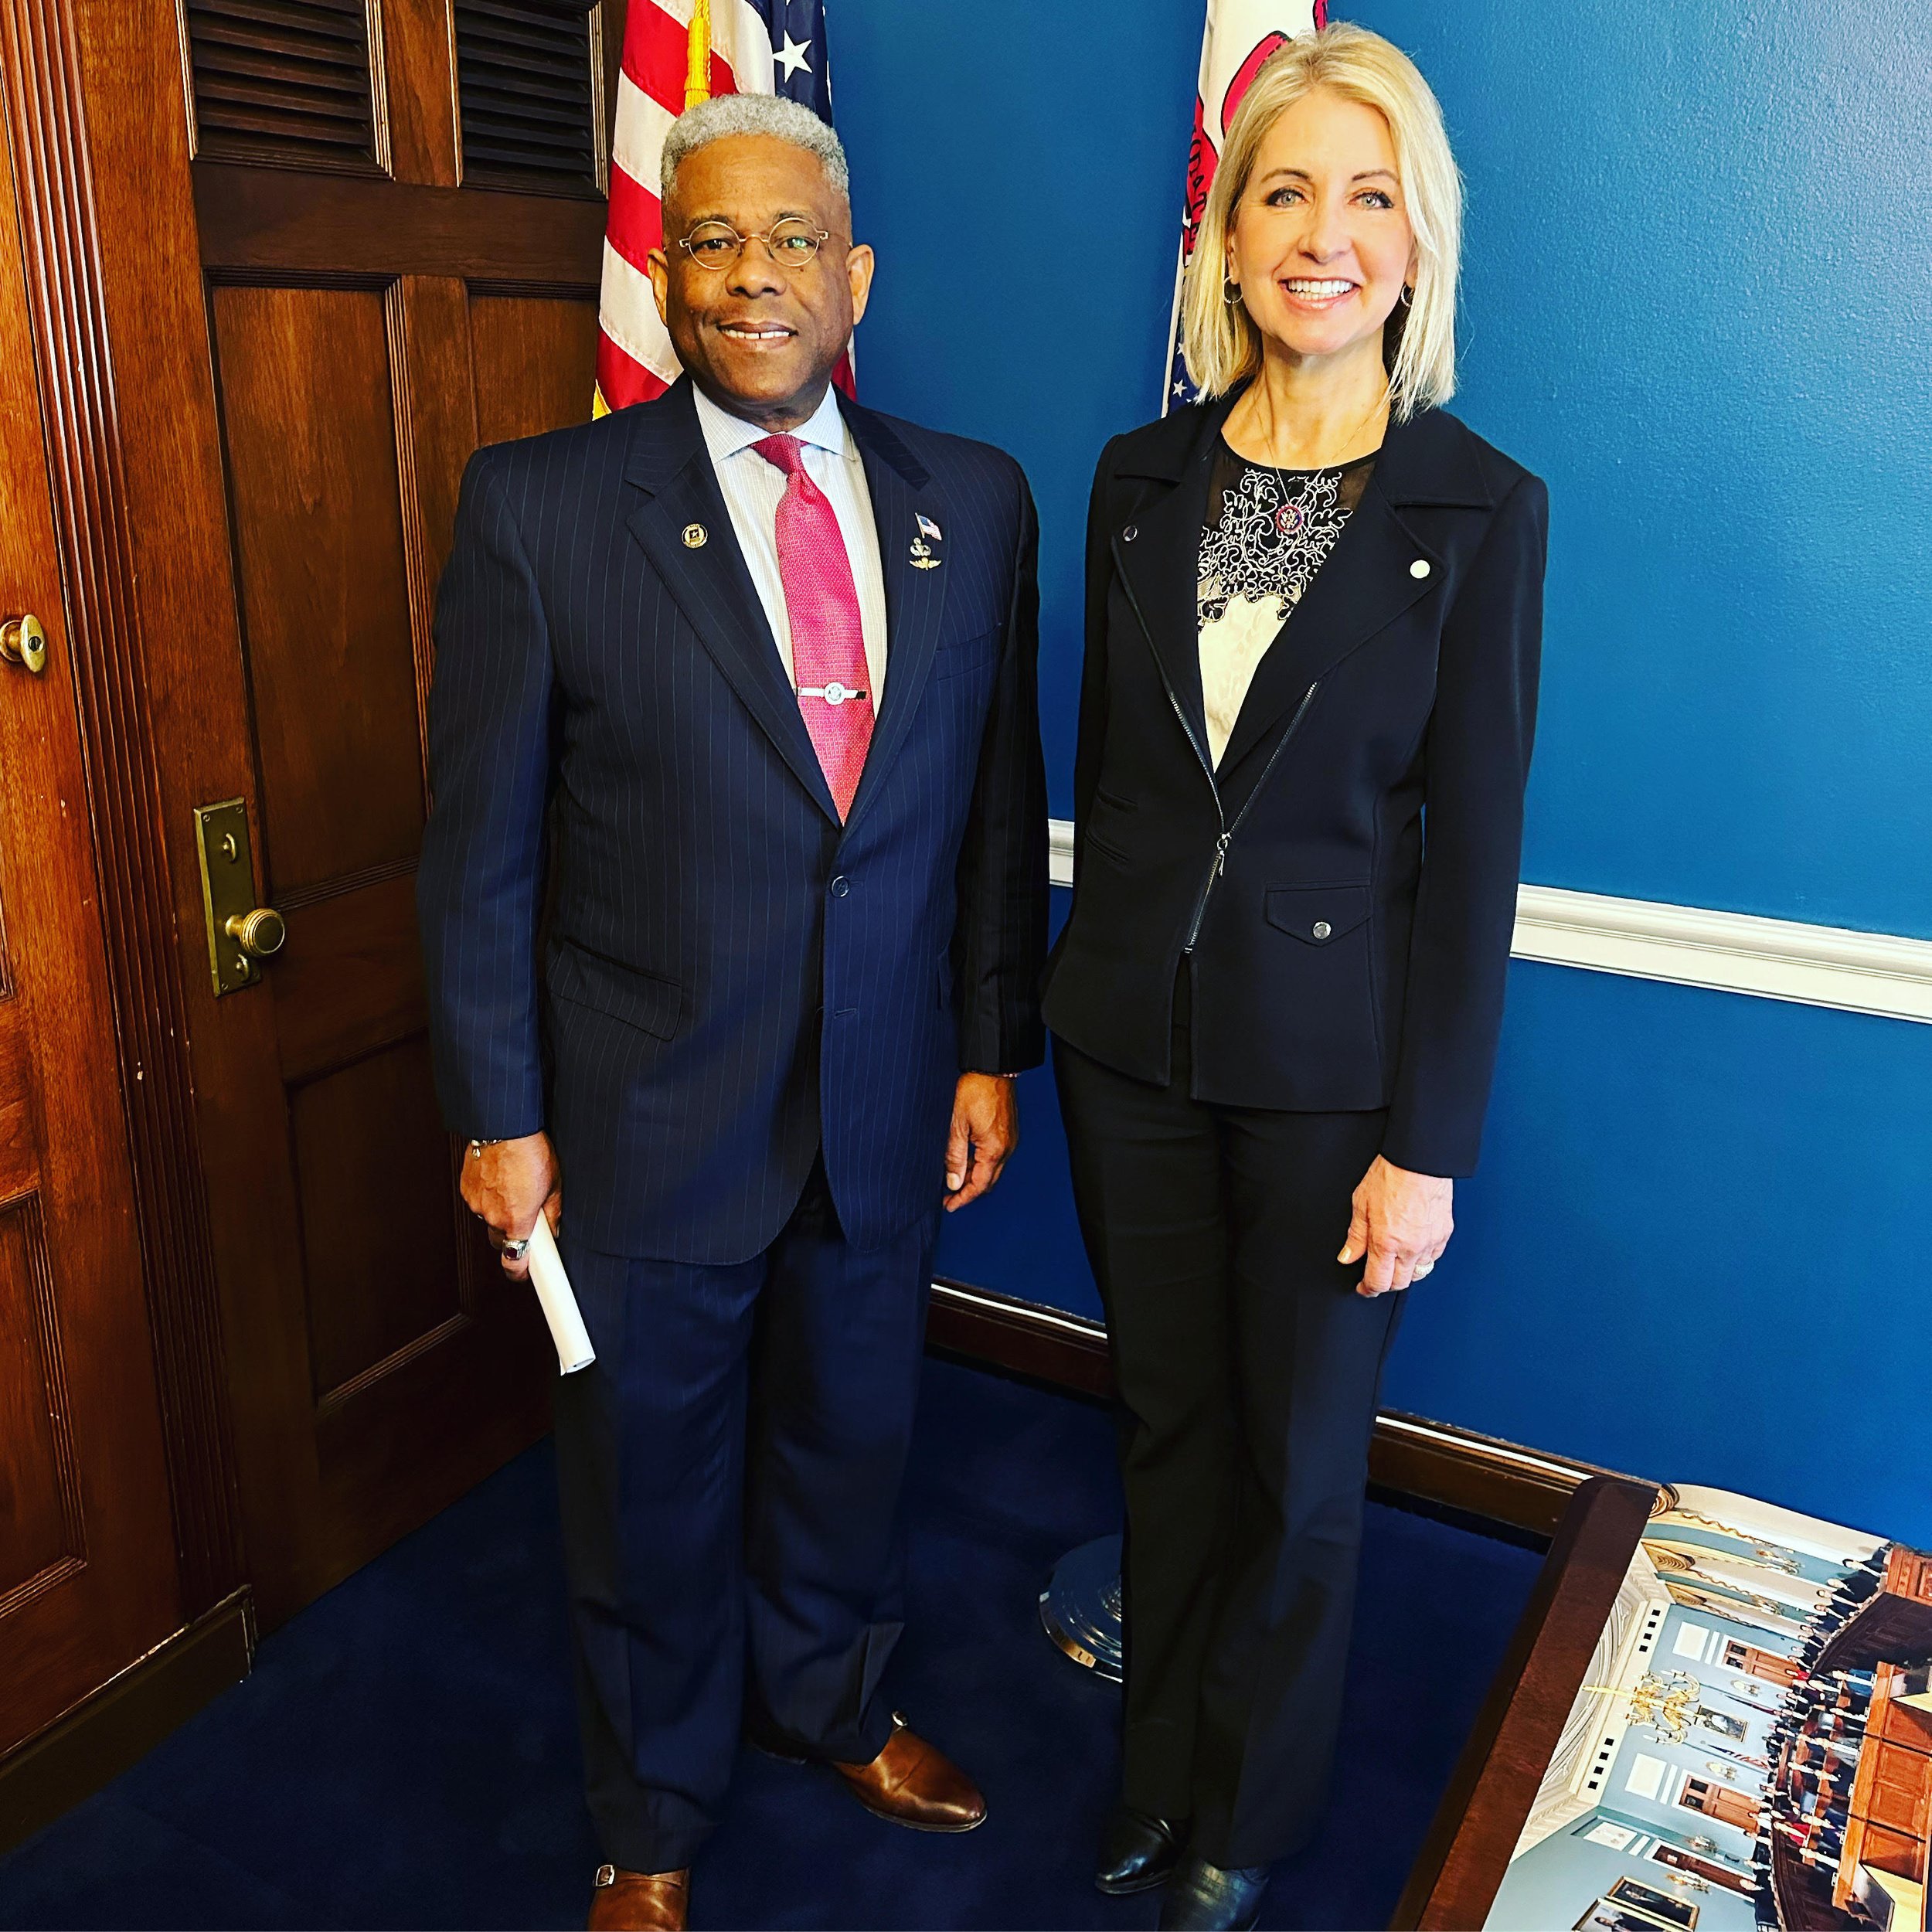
(1420,568)
(1323,929)
(840,886)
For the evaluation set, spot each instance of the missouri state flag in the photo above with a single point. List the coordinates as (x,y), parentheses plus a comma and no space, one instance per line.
(677,53)
(1239,36)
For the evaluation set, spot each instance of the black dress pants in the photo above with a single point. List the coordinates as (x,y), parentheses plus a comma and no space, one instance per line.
(1248,1371)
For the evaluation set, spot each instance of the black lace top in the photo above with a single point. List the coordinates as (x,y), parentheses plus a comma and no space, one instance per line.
(1267,533)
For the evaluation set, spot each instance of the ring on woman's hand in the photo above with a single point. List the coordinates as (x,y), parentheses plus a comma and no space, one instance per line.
(513,1250)
(1422,1269)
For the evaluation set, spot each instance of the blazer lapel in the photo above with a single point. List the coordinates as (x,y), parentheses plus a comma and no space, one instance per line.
(670,468)
(1370,578)
(902,491)
(1364,584)
(1157,550)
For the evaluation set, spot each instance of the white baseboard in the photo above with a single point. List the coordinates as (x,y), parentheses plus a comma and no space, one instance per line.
(1688,946)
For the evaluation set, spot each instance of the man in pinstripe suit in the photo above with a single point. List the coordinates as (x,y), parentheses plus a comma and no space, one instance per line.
(767,661)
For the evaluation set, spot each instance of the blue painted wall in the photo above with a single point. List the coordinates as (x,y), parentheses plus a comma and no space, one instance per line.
(1699,273)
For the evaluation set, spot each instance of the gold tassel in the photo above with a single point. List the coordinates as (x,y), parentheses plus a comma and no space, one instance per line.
(697,72)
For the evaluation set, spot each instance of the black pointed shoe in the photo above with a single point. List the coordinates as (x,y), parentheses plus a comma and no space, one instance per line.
(1137,1851)
(1202,1897)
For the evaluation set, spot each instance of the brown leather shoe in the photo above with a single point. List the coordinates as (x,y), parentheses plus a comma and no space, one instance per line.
(639,1901)
(912,1783)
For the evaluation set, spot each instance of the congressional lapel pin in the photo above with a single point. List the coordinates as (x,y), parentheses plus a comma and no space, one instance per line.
(695,536)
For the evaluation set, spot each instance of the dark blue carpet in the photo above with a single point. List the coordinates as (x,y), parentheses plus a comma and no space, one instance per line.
(405,1754)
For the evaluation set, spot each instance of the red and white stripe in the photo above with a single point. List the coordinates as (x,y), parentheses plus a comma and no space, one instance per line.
(1238,37)
(635,360)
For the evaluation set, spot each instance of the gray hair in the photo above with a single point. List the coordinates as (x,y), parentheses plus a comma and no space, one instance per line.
(773,114)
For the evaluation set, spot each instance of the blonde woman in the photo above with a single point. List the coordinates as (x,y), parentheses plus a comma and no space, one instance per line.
(1314,614)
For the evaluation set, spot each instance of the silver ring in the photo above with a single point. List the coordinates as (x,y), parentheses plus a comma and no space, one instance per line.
(1421,1271)
(513,1250)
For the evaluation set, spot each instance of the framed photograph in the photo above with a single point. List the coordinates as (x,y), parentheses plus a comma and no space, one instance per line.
(1667,1908)
(1725,1723)
(1603,1916)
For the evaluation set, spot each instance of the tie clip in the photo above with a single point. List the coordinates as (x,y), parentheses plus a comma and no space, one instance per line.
(831,693)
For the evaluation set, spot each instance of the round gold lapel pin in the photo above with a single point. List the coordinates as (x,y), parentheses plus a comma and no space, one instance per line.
(694,536)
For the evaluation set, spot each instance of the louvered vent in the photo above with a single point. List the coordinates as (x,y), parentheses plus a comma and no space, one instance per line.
(524,79)
(282,80)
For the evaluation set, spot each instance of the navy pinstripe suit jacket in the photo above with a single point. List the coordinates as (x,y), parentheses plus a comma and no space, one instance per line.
(731,978)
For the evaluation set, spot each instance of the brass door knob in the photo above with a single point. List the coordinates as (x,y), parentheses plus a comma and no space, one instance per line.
(259,933)
(22,642)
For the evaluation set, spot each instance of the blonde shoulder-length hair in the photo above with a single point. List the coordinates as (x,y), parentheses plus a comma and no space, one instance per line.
(1221,342)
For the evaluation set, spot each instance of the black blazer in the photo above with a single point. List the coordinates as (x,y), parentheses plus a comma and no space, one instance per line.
(733,979)
(1343,957)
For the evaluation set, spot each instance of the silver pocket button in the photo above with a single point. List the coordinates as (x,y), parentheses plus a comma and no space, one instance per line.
(1323,929)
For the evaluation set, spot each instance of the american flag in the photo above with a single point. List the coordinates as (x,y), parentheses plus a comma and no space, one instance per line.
(1239,36)
(677,53)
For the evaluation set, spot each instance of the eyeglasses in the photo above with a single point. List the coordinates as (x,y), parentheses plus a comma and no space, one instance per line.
(792,243)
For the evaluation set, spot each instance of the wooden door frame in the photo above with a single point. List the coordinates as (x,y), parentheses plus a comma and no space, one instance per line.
(68,211)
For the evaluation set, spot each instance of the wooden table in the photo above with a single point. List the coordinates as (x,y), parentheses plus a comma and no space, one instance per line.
(1463,1860)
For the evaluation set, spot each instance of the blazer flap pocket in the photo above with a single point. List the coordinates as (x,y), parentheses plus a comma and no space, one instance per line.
(641,1000)
(1318,915)
(976,648)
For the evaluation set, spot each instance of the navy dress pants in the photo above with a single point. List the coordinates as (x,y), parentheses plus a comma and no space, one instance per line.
(729,1470)
(1248,1373)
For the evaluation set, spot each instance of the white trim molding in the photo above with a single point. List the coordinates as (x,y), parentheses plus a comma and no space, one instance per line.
(1854,972)
(1729,952)
(1060,851)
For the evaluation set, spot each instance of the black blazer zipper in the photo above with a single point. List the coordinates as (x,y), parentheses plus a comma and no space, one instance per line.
(1227,831)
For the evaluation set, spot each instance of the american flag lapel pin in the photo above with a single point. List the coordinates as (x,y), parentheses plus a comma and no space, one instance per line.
(922,551)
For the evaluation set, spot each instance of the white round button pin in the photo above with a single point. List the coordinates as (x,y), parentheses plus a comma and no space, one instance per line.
(1420,568)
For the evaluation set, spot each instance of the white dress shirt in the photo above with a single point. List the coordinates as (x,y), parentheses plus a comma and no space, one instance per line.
(753,488)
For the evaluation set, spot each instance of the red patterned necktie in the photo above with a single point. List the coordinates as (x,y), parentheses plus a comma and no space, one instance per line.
(828,640)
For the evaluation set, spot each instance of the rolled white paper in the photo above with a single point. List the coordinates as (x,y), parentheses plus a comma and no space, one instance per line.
(559,1303)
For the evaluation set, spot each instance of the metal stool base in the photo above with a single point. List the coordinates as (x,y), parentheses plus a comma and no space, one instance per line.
(1080,1608)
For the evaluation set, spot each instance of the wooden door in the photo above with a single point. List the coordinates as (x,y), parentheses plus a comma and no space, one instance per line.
(88,1577)
(397,238)
(1726,1876)
(1715,1800)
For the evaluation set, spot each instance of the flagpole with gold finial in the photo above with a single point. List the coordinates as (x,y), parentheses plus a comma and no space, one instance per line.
(697,72)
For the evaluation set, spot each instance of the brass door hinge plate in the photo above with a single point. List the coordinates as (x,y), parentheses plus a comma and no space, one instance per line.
(227,890)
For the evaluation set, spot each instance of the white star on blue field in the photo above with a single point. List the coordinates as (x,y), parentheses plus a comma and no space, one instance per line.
(798,52)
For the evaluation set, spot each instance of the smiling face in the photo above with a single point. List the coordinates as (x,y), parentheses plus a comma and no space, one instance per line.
(759,339)
(1321,243)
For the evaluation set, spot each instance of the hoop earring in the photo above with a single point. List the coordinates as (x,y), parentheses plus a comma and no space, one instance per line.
(1407,296)
(1234,299)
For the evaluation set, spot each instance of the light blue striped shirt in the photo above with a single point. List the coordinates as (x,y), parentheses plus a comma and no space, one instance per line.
(753,488)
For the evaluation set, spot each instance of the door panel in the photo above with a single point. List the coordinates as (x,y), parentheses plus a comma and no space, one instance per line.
(535,360)
(309,421)
(88,1578)
(379,1241)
